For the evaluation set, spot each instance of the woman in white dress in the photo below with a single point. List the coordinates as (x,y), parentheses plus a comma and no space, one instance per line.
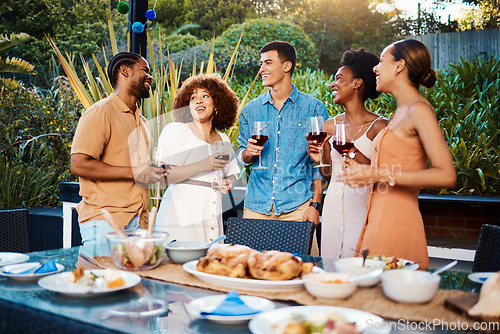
(202,161)
(344,208)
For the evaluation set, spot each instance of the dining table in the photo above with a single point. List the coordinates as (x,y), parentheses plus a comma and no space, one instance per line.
(27,307)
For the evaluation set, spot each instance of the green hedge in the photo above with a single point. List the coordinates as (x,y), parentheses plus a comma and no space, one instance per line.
(257,33)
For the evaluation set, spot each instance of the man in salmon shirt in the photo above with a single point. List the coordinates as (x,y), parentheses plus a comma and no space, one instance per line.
(110,154)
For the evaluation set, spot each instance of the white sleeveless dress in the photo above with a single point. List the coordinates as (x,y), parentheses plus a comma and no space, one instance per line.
(344,209)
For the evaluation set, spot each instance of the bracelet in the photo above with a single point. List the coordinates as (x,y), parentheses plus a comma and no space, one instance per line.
(392,180)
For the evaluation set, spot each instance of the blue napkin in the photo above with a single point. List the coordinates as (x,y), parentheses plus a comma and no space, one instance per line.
(232,305)
(47,267)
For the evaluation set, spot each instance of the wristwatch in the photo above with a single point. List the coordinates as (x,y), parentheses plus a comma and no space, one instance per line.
(316,205)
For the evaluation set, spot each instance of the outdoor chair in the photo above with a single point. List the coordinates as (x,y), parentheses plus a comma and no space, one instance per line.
(285,236)
(487,256)
(14,227)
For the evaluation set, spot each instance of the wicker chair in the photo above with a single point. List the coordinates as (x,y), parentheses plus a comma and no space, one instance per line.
(14,227)
(285,236)
(487,256)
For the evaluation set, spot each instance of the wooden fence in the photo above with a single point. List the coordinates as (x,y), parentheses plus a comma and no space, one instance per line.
(447,48)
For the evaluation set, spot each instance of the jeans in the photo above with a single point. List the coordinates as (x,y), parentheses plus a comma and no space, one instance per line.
(94,236)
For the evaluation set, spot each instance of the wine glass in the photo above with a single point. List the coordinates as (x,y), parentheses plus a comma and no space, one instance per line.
(316,133)
(260,134)
(157,158)
(342,142)
(221,148)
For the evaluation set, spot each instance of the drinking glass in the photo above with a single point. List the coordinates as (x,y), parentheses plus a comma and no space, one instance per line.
(157,158)
(222,149)
(260,134)
(342,141)
(317,133)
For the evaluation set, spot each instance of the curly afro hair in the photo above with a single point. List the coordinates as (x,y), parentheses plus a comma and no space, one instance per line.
(225,100)
(361,63)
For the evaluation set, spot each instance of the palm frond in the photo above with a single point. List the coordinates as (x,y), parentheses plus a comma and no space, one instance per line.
(16,65)
(79,88)
(8,42)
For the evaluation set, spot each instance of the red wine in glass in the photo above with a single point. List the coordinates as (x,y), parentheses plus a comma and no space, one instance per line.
(261,139)
(343,148)
(260,133)
(318,136)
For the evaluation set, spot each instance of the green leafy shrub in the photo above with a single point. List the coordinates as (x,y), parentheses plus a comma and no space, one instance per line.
(178,42)
(36,131)
(257,33)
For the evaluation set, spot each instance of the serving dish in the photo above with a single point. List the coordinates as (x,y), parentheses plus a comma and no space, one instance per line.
(244,283)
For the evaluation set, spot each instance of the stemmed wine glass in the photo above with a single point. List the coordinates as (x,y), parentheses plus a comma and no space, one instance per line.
(342,142)
(316,133)
(221,151)
(260,134)
(157,157)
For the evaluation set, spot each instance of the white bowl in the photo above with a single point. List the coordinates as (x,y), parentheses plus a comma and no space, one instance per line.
(354,266)
(184,251)
(404,286)
(321,285)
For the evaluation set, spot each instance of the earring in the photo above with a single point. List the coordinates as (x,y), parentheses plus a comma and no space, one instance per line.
(215,112)
(356,89)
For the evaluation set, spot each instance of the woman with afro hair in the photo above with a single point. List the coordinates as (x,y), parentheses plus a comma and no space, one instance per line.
(344,208)
(202,161)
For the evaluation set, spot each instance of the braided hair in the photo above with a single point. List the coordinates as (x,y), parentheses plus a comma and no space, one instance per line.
(122,58)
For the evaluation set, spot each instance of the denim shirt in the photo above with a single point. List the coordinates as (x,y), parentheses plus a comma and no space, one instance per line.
(287,183)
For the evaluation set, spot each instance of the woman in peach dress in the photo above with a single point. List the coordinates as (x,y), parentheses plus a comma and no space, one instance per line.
(394,225)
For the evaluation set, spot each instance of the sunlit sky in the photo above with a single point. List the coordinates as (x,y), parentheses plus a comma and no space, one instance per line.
(453,9)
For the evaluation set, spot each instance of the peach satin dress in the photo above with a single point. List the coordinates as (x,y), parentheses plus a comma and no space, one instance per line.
(394,225)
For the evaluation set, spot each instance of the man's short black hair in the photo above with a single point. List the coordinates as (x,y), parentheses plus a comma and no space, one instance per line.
(286,51)
(122,58)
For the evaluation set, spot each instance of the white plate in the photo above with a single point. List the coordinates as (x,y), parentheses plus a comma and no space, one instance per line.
(409,265)
(5,271)
(12,258)
(210,303)
(269,322)
(480,277)
(60,283)
(245,283)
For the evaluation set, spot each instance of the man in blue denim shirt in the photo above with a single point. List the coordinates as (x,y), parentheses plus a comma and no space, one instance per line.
(285,190)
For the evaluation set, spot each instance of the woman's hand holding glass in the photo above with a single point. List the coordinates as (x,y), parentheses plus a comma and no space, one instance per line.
(158,163)
(318,136)
(315,151)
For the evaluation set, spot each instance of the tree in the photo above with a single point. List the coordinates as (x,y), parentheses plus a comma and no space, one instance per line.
(170,14)
(79,26)
(214,16)
(336,26)
(486,16)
